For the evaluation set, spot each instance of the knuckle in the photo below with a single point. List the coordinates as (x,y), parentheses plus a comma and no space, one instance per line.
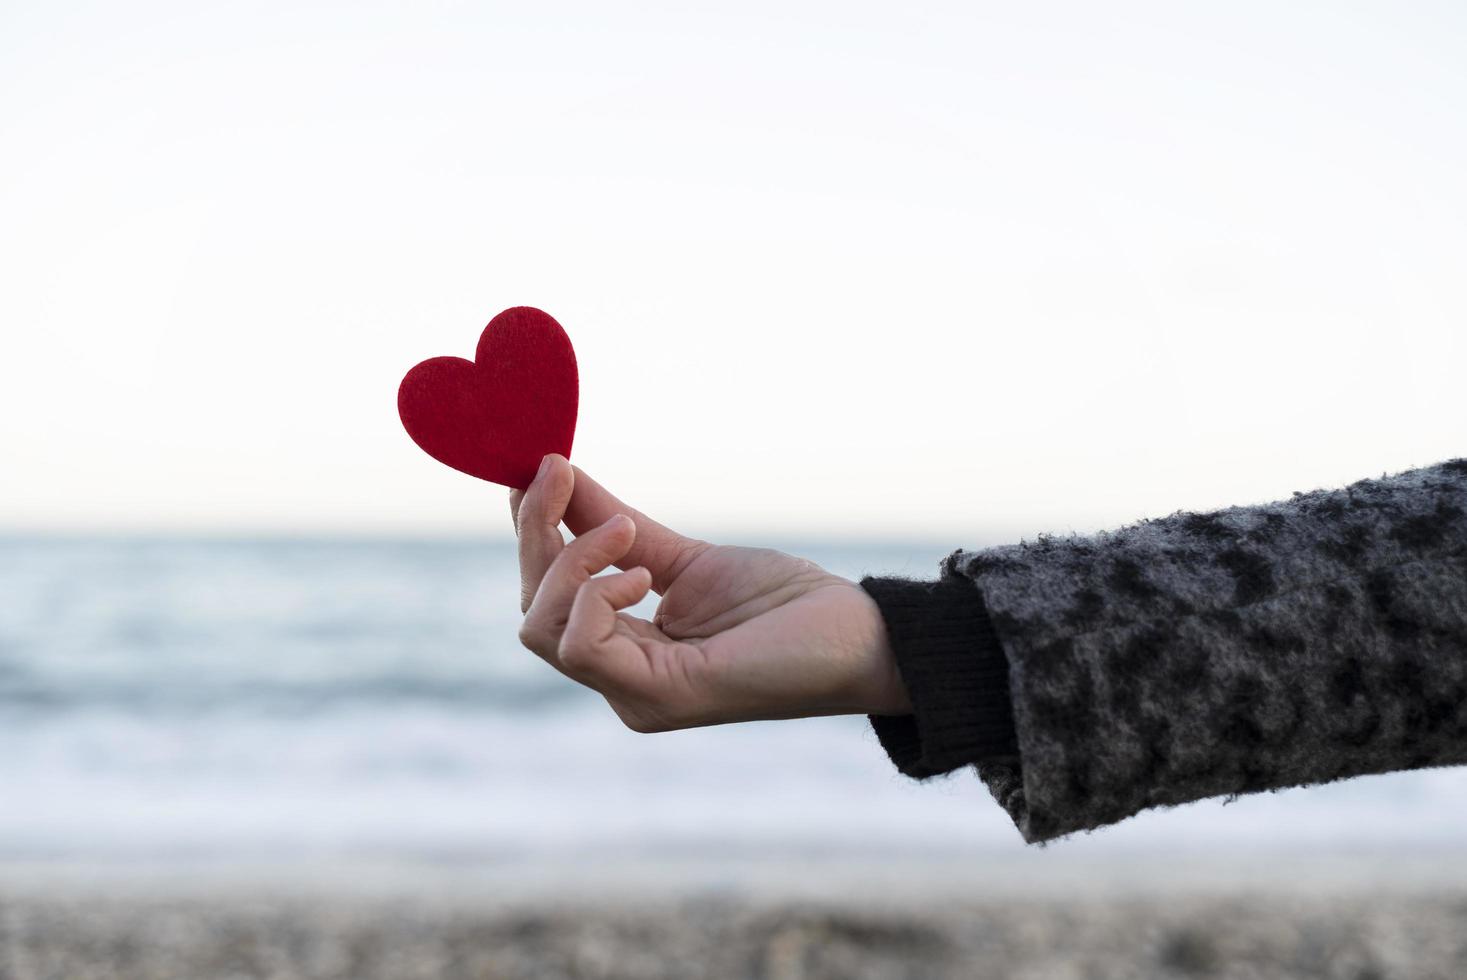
(531,635)
(644,717)
(645,726)
(577,657)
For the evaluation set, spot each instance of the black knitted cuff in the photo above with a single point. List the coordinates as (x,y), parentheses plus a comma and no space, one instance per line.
(955,672)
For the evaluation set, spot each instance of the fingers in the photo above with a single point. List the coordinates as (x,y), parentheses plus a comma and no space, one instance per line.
(537,514)
(590,649)
(572,617)
(592,552)
(584,557)
(658,548)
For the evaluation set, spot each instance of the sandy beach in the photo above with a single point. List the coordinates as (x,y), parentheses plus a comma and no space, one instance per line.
(1288,921)
(1351,938)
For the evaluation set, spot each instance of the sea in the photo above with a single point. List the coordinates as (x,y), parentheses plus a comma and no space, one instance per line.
(170,699)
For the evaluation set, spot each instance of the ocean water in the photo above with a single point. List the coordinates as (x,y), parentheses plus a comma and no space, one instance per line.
(167,699)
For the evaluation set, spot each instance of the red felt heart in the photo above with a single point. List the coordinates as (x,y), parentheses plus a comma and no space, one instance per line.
(496,416)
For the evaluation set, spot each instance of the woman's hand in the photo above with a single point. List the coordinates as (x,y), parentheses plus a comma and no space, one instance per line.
(740,634)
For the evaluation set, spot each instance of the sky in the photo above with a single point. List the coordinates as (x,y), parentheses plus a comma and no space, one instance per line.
(959,271)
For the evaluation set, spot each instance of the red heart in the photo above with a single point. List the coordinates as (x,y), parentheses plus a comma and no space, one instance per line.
(496,416)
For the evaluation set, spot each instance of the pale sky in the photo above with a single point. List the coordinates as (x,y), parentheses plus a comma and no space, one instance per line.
(967,271)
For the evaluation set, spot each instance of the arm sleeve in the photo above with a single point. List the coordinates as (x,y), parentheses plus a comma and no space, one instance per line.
(954,671)
(1222,653)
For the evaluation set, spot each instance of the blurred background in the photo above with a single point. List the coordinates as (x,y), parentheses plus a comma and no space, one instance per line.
(863,282)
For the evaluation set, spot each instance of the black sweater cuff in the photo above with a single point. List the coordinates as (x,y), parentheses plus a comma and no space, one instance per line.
(956,675)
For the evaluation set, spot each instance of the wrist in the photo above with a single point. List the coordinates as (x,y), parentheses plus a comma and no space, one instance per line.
(882,690)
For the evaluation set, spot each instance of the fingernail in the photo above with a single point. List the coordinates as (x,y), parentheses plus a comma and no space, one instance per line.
(544,465)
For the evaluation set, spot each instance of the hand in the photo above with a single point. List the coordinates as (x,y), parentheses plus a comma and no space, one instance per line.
(741,634)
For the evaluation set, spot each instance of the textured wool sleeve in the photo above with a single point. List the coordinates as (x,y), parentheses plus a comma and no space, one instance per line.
(1245,649)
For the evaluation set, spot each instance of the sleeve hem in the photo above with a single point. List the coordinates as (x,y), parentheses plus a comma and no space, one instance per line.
(955,672)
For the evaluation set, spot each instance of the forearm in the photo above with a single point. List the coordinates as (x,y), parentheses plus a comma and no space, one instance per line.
(1247,649)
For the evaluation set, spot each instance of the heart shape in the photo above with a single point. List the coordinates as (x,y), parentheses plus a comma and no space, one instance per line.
(496,416)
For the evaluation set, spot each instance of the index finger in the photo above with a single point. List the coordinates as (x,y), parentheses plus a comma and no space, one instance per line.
(658,548)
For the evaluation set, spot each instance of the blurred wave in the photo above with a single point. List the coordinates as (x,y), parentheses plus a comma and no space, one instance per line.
(177,697)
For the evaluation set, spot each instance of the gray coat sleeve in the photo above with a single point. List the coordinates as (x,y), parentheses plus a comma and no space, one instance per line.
(1246,649)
